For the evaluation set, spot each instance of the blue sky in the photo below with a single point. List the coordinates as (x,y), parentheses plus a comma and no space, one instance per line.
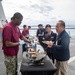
(41,11)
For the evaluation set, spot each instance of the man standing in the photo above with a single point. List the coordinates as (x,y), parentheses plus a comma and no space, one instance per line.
(40,33)
(10,39)
(50,36)
(24,33)
(62,49)
(28,30)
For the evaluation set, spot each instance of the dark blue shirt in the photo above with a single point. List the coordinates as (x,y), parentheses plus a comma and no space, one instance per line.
(40,31)
(62,47)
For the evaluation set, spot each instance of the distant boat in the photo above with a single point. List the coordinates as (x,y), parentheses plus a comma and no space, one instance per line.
(3,20)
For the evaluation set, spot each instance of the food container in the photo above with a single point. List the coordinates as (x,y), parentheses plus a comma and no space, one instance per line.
(36,56)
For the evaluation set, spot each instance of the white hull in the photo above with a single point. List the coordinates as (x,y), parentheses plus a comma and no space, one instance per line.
(2,19)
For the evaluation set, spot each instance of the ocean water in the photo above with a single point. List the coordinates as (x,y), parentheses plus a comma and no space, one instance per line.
(32,32)
(71,32)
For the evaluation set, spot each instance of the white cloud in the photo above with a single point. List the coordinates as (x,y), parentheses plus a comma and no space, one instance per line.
(65,8)
(40,10)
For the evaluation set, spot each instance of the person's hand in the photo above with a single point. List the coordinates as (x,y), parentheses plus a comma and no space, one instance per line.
(42,34)
(21,42)
(29,41)
(39,34)
(46,42)
(50,44)
(43,39)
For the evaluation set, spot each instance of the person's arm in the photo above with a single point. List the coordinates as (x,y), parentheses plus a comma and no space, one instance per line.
(25,39)
(27,31)
(55,36)
(43,30)
(42,34)
(11,44)
(37,32)
(6,36)
(64,43)
(23,33)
